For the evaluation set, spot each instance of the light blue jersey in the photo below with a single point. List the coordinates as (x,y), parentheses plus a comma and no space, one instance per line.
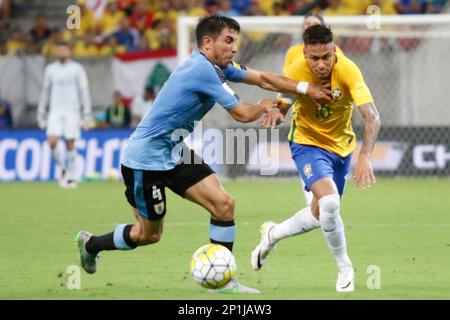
(189,93)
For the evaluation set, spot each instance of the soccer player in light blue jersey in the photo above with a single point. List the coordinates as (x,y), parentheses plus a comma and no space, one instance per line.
(152,162)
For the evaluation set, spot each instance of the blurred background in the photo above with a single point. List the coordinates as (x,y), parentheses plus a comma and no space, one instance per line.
(130,47)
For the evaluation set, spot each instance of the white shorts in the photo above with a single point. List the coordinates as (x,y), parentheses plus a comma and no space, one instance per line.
(64,125)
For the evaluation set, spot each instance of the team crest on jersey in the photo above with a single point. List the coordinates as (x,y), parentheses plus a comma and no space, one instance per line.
(307,171)
(336,93)
(159,208)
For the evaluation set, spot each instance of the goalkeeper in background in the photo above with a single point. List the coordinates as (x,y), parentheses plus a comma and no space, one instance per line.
(64,90)
(322,141)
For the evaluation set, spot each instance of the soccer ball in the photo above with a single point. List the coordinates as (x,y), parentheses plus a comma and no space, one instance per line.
(213,266)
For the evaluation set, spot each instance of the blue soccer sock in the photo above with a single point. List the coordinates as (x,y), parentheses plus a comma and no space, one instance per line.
(223,233)
(119,239)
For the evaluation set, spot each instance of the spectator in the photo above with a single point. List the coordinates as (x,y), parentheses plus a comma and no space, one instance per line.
(5,8)
(111,48)
(126,6)
(111,18)
(143,45)
(16,43)
(49,47)
(40,32)
(226,9)
(3,50)
(161,35)
(355,7)
(387,6)
(163,11)
(85,47)
(241,5)
(158,77)
(141,18)
(212,6)
(5,114)
(278,9)
(410,6)
(140,105)
(196,8)
(295,7)
(335,8)
(17,6)
(118,115)
(435,6)
(255,9)
(88,21)
(166,39)
(126,36)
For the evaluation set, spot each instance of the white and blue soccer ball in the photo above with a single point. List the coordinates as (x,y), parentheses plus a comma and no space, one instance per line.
(213,266)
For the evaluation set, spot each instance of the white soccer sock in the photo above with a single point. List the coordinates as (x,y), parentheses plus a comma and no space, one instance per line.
(301,222)
(57,157)
(333,229)
(71,164)
(308,195)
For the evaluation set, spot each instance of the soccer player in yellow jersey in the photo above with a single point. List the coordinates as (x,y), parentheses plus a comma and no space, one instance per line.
(295,52)
(322,141)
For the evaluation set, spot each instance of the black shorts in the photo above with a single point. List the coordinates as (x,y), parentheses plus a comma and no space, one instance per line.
(145,190)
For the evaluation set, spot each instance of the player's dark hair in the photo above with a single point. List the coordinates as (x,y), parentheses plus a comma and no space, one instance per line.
(213,25)
(315,15)
(318,34)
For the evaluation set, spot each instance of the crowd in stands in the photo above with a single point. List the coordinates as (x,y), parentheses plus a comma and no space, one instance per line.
(109,27)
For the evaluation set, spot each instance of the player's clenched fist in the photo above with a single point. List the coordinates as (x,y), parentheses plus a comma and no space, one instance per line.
(321,94)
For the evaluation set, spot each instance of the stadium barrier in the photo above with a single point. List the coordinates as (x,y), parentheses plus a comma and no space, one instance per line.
(237,152)
(25,155)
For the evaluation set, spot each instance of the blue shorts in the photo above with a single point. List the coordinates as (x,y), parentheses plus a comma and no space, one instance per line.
(314,163)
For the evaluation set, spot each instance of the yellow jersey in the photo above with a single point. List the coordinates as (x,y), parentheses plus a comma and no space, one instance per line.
(296,51)
(329,128)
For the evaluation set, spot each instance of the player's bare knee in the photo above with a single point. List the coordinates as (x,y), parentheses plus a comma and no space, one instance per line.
(149,238)
(225,208)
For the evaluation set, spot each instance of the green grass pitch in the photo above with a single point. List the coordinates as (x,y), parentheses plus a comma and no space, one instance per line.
(402,226)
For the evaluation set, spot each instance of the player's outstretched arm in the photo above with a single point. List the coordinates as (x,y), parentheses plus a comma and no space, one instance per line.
(276,82)
(363,172)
